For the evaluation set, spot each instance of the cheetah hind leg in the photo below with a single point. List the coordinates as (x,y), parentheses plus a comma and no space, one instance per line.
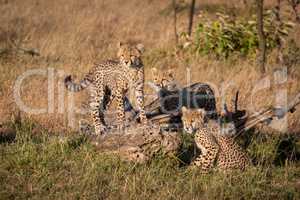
(97,111)
(120,110)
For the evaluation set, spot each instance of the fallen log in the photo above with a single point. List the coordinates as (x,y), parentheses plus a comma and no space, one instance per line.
(138,143)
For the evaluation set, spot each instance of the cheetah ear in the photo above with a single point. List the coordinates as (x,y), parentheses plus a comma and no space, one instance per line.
(140,47)
(183,109)
(201,111)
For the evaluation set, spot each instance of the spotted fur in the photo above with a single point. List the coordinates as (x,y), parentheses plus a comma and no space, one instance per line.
(112,79)
(218,150)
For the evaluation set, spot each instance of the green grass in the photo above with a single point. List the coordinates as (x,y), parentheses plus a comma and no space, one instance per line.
(37,166)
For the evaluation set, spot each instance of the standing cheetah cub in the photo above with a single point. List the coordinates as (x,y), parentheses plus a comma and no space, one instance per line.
(217,149)
(112,79)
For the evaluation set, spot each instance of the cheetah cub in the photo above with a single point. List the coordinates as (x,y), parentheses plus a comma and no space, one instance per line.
(163,80)
(112,79)
(218,150)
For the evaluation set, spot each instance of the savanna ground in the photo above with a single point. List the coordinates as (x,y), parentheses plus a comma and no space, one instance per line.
(72,35)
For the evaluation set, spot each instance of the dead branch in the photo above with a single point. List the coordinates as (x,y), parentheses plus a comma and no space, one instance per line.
(269,114)
(32,52)
(236,101)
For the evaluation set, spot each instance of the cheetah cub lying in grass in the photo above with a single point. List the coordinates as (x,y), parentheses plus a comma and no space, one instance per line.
(218,150)
(112,79)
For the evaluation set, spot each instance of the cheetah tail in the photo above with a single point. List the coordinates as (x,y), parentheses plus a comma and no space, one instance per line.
(76,87)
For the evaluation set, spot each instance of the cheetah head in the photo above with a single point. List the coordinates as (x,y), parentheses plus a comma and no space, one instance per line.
(129,55)
(192,119)
(163,80)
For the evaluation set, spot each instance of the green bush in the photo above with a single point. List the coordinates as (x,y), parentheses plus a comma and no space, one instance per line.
(226,35)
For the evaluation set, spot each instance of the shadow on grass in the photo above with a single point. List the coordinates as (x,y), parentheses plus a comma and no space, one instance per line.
(288,148)
(269,149)
(188,150)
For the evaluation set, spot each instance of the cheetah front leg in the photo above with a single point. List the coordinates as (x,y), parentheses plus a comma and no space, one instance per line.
(139,95)
(209,151)
(96,104)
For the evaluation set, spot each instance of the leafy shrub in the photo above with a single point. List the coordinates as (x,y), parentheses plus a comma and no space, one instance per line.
(227,35)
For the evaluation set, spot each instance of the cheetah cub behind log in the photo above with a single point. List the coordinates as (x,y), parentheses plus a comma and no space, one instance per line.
(218,150)
(112,79)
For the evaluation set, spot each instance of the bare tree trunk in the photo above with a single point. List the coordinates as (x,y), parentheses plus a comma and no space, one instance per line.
(175,21)
(261,59)
(191,17)
(277,34)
